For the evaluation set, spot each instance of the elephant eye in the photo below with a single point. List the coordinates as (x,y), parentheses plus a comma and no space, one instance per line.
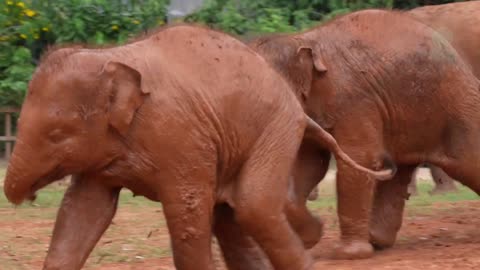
(56,136)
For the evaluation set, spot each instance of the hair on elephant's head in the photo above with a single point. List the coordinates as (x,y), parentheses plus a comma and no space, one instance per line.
(78,107)
(295,58)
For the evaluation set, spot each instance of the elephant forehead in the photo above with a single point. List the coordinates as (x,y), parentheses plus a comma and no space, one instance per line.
(64,87)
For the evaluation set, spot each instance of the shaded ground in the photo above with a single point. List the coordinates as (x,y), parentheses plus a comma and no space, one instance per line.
(439,232)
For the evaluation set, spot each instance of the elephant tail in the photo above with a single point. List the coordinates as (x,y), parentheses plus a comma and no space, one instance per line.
(322,137)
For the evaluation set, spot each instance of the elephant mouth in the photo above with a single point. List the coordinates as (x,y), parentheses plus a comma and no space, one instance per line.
(55,175)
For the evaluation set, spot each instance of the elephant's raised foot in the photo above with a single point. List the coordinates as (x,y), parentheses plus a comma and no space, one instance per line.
(353,250)
(382,240)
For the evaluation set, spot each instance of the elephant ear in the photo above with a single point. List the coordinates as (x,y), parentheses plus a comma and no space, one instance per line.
(124,86)
(308,63)
(304,51)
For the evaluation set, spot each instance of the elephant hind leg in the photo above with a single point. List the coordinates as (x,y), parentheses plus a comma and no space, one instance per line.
(388,205)
(310,168)
(260,198)
(443,182)
(239,249)
(412,187)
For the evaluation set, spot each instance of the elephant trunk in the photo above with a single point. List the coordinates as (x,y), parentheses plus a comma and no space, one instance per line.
(26,173)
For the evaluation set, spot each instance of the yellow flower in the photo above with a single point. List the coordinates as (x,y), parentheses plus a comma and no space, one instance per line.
(20,4)
(45,29)
(23,36)
(30,13)
(9,3)
(36,36)
(136,22)
(3,38)
(114,27)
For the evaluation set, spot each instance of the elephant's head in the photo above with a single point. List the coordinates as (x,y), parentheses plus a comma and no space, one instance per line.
(77,111)
(294,58)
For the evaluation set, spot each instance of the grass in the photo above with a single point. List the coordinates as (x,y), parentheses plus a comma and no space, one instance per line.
(327,197)
(52,196)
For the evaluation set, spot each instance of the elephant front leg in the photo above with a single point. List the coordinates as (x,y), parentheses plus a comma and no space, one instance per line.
(387,211)
(188,206)
(86,211)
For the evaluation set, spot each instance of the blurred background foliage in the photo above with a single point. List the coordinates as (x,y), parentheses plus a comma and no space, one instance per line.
(28,27)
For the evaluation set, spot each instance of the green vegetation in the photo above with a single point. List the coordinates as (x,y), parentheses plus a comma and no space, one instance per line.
(28,27)
(51,197)
(327,197)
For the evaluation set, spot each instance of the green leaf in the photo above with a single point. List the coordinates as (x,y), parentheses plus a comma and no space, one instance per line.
(21,55)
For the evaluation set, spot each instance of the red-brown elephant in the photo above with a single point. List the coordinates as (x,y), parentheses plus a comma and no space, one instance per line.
(459,23)
(383,84)
(188,117)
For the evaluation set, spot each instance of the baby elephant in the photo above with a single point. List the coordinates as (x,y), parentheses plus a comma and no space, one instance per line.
(365,77)
(188,117)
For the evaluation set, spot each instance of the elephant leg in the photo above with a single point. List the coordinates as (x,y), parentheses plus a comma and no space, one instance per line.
(87,210)
(443,182)
(412,187)
(355,190)
(462,155)
(239,250)
(388,205)
(188,207)
(313,196)
(310,167)
(260,198)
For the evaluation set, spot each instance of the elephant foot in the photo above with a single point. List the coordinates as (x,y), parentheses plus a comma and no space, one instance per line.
(312,234)
(313,194)
(382,240)
(412,192)
(353,250)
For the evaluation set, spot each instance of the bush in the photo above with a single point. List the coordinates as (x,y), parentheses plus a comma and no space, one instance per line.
(20,29)
(102,21)
(28,27)
(267,16)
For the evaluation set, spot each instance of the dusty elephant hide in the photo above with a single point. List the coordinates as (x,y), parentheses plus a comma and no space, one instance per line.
(187,116)
(459,24)
(365,77)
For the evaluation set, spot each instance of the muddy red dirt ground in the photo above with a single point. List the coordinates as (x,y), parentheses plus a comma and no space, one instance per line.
(444,236)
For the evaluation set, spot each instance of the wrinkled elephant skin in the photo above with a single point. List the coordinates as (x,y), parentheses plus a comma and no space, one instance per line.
(459,23)
(365,77)
(187,116)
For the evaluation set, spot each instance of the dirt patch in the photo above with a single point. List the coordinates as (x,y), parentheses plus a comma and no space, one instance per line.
(445,236)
